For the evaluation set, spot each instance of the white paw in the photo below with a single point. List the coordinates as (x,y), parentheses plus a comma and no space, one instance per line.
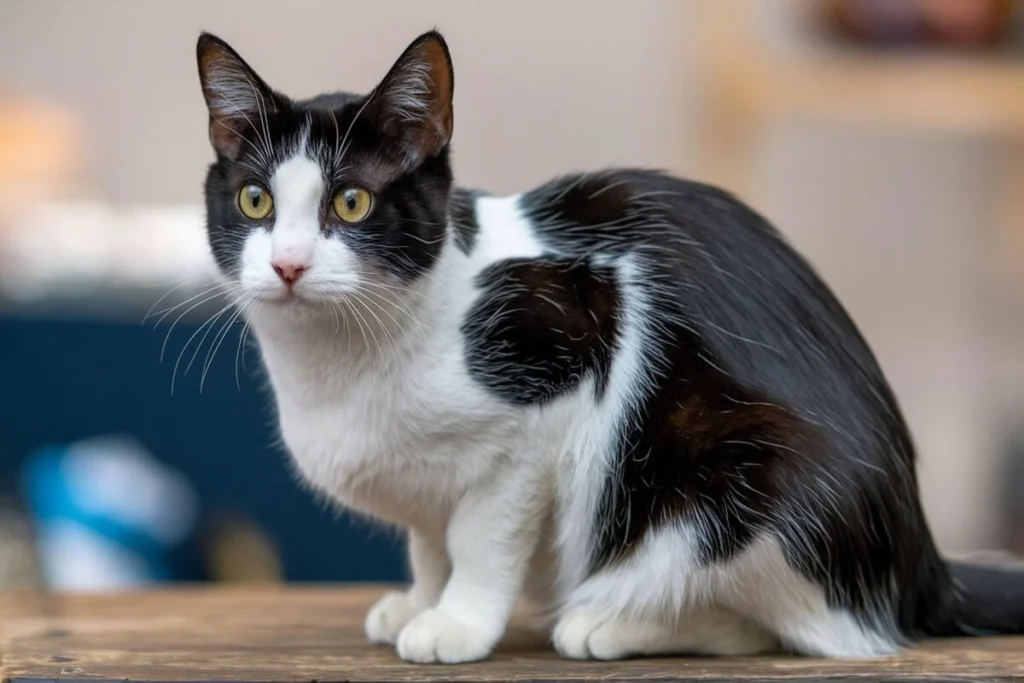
(388,617)
(589,634)
(583,634)
(745,639)
(435,636)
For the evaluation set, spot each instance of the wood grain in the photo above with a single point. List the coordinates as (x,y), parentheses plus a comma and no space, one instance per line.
(314,634)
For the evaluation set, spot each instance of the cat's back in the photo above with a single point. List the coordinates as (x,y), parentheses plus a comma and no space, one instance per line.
(710,273)
(618,213)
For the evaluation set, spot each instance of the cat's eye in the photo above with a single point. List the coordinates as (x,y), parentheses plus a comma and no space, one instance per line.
(353,204)
(255,202)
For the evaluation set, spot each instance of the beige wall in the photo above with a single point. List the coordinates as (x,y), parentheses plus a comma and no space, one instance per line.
(549,86)
(531,101)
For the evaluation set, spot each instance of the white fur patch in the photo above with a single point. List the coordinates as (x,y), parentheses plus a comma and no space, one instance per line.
(594,445)
(297,186)
(663,581)
(504,232)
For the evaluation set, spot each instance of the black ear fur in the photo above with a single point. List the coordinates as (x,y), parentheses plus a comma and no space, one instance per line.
(413,104)
(236,97)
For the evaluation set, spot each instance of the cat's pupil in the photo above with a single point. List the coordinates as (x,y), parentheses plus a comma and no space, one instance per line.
(256,196)
(350,201)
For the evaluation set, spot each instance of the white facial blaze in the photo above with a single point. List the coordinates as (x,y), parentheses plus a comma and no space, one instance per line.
(297,186)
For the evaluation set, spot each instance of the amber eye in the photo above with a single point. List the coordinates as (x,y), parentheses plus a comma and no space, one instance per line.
(255,202)
(353,204)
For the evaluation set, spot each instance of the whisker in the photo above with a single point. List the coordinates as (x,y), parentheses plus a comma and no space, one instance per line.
(394,301)
(362,327)
(403,290)
(170,330)
(419,239)
(261,110)
(241,342)
(411,317)
(339,313)
(208,325)
(164,296)
(167,311)
(215,345)
(237,133)
(366,304)
(344,141)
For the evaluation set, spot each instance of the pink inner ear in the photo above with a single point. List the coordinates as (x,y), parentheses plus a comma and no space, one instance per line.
(414,102)
(235,97)
(441,84)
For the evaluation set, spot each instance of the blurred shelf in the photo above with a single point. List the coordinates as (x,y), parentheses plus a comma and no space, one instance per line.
(752,86)
(946,90)
(94,259)
(949,93)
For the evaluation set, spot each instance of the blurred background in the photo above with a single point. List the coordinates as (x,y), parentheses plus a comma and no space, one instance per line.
(884,137)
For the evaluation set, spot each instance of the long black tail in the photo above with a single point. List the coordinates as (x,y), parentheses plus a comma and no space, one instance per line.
(987,600)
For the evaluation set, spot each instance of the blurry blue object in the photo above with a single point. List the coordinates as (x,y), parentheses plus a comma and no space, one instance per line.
(79,376)
(109,515)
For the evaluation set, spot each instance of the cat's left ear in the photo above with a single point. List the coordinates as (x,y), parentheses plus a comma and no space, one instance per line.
(237,98)
(412,106)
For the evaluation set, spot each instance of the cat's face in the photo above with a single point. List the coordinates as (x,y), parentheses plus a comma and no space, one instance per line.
(311,201)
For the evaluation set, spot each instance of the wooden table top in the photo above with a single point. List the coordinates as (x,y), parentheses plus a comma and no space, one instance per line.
(283,634)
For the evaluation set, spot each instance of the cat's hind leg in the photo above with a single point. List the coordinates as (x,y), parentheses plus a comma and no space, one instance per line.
(589,633)
(761,584)
(654,601)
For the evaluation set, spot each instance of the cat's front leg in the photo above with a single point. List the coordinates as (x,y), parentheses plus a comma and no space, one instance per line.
(490,538)
(430,569)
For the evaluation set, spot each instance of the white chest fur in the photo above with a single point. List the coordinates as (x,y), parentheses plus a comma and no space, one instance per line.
(399,435)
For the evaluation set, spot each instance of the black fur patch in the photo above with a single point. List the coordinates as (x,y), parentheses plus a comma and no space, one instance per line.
(540,326)
(768,411)
(462,215)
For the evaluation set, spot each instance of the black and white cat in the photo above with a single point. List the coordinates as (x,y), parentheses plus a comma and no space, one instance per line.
(619,394)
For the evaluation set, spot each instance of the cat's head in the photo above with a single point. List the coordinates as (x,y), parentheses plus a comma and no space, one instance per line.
(310,201)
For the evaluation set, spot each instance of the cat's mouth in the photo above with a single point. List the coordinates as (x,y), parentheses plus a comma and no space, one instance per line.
(298,298)
(287,298)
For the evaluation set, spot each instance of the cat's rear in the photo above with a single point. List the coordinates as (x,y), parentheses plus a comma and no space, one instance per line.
(621,390)
(766,454)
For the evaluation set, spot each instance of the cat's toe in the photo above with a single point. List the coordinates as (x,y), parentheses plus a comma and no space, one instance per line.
(388,617)
(435,636)
(611,640)
(574,633)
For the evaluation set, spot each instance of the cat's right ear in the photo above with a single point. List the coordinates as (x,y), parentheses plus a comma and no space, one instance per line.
(413,104)
(238,100)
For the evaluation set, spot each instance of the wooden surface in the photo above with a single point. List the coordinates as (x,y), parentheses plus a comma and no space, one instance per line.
(315,634)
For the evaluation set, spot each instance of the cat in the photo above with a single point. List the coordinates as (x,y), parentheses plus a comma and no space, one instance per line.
(620,395)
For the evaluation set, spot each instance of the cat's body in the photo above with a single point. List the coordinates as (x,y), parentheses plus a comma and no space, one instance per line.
(619,393)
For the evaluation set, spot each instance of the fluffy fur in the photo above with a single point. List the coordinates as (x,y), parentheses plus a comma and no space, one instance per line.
(620,394)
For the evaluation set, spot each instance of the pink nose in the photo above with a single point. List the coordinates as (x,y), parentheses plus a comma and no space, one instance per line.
(288,271)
